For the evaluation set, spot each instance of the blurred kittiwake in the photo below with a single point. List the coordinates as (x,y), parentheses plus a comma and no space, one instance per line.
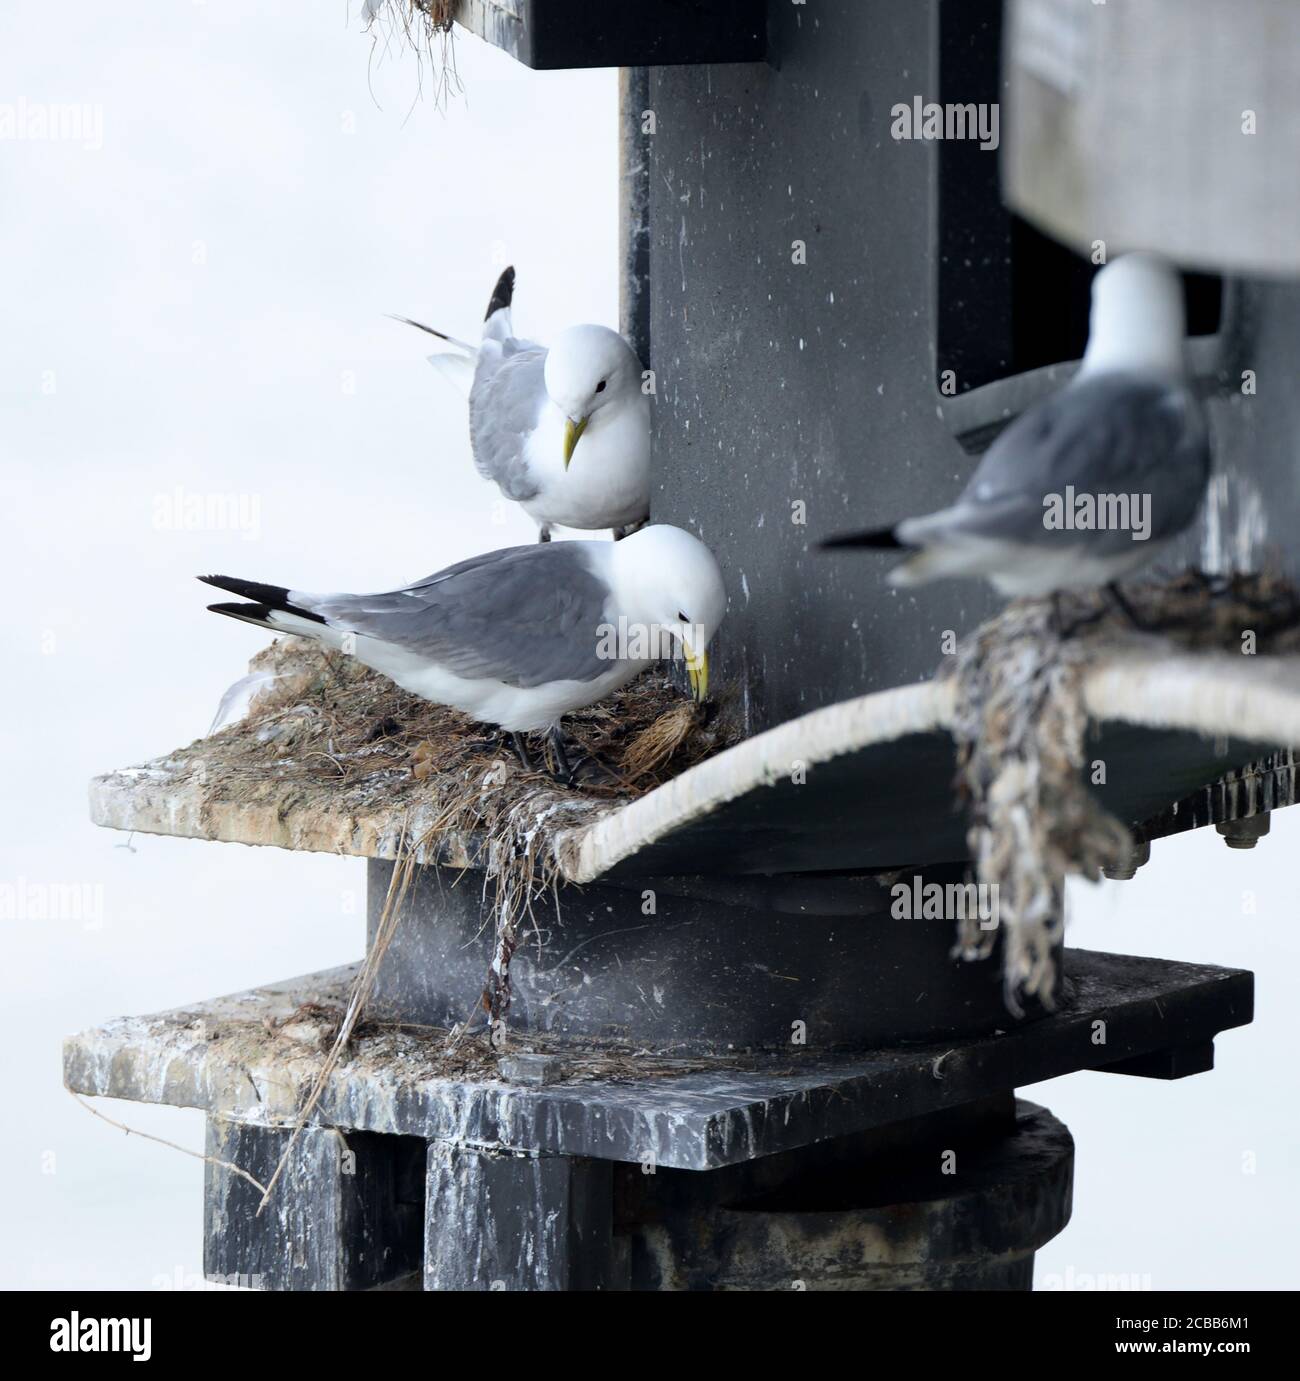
(519,637)
(1087,485)
(565,432)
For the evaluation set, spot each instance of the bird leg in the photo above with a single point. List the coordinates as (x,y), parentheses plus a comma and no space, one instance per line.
(587,769)
(544,533)
(563,772)
(521,751)
(628,529)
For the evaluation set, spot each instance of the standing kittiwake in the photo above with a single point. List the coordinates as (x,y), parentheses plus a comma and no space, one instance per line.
(565,432)
(519,637)
(1087,485)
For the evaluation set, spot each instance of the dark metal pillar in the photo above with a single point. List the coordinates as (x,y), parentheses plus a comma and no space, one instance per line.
(634,146)
(505,1220)
(346,1214)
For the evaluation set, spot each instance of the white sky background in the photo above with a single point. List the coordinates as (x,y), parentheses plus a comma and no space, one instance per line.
(246,136)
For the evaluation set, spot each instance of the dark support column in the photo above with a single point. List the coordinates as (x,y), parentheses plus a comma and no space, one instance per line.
(497,1220)
(960,1200)
(346,1214)
(825,960)
(634,210)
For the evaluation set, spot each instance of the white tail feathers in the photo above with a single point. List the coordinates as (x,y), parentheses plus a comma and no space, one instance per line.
(456,368)
(500,325)
(457,360)
(284,621)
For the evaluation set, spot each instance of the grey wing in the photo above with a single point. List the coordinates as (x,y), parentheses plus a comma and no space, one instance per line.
(523,615)
(1109,435)
(505,402)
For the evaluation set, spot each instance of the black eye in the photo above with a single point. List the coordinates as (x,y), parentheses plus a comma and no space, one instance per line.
(600,387)
(682,616)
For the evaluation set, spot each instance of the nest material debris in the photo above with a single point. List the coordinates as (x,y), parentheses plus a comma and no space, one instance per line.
(423,26)
(1020,727)
(430,1052)
(324,721)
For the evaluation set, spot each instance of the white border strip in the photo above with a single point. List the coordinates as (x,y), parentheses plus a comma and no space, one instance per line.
(813,738)
(1216,695)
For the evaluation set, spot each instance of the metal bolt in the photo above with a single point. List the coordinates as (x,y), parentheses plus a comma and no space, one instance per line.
(1127,868)
(1244,834)
(533,1071)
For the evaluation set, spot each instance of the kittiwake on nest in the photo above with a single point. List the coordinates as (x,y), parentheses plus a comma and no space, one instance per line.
(520,637)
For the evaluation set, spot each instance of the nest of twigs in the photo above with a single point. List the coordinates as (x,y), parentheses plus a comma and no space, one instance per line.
(329,721)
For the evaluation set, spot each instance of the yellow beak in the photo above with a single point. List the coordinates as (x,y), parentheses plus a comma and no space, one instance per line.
(697,670)
(572,432)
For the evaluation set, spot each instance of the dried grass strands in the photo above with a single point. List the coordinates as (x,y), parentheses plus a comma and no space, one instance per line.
(361,989)
(171,1145)
(422,26)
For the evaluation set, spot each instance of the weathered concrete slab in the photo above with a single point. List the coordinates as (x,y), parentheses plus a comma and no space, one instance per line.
(170,795)
(252,1056)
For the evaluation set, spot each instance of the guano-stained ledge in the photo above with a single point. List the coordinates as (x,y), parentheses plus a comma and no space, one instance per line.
(876,794)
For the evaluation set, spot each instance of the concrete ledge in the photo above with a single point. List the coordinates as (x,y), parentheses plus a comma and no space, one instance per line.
(875,791)
(252,1056)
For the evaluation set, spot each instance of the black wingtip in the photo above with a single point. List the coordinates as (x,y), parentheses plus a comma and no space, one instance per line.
(503,294)
(277,596)
(273,597)
(256,614)
(878,539)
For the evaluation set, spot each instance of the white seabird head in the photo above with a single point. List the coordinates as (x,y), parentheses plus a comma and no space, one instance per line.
(1137,321)
(589,369)
(669,581)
